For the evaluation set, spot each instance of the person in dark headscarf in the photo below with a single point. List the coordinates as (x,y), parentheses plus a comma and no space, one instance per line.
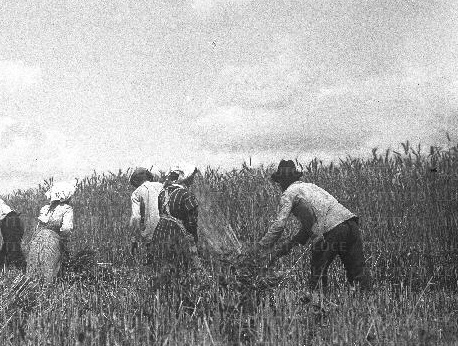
(12,229)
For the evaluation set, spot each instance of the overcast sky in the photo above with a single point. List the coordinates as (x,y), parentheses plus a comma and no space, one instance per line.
(103,85)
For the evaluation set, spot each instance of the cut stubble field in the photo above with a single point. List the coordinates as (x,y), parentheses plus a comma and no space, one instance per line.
(408,209)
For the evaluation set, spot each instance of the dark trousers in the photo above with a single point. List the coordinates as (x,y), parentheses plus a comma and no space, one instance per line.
(343,240)
(12,231)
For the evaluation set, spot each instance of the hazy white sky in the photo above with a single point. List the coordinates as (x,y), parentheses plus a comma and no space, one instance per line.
(103,85)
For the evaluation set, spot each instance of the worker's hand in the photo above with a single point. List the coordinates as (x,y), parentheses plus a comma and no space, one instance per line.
(283,250)
(252,255)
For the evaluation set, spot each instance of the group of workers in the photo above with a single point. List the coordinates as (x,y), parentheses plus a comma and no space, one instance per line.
(48,246)
(164,221)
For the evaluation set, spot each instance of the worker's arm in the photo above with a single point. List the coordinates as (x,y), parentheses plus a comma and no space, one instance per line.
(67,223)
(276,229)
(135,217)
(135,221)
(191,206)
(307,217)
(43,218)
(66,231)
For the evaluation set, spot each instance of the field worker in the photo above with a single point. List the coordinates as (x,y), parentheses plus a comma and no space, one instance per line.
(49,245)
(175,258)
(178,209)
(145,211)
(12,230)
(331,227)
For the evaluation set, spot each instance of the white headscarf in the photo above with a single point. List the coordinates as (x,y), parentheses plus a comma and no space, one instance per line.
(4,209)
(156,173)
(184,171)
(61,191)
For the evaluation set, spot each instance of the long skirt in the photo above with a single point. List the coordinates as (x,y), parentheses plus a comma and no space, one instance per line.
(171,247)
(45,255)
(172,260)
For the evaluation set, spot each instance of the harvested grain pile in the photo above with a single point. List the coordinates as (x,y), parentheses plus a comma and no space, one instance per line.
(20,292)
(242,271)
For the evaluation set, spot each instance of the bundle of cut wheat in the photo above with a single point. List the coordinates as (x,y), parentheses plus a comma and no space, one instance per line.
(21,293)
(216,236)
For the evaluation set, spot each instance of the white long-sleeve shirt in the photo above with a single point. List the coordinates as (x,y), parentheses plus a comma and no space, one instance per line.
(145,210)
(59,219)
(323,211)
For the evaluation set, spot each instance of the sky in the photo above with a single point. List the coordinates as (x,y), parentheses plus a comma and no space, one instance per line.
(103,85)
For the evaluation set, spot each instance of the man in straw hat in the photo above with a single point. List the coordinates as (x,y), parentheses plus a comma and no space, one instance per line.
(331,227)
(145,212)
(12,230)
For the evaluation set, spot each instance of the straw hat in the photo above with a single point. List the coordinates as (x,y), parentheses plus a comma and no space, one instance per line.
(286,170)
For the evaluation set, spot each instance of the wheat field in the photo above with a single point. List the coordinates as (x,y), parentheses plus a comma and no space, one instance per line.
(408,206)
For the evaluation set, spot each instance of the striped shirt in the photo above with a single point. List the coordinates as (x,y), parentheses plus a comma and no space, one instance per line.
(182,204)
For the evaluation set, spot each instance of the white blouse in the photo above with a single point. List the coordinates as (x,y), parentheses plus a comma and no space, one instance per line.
(145,206)
(60,219)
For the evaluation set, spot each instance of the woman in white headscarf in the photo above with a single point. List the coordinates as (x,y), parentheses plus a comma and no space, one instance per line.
(55,225)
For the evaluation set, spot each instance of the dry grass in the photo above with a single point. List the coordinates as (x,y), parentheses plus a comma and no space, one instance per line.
(409,220)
